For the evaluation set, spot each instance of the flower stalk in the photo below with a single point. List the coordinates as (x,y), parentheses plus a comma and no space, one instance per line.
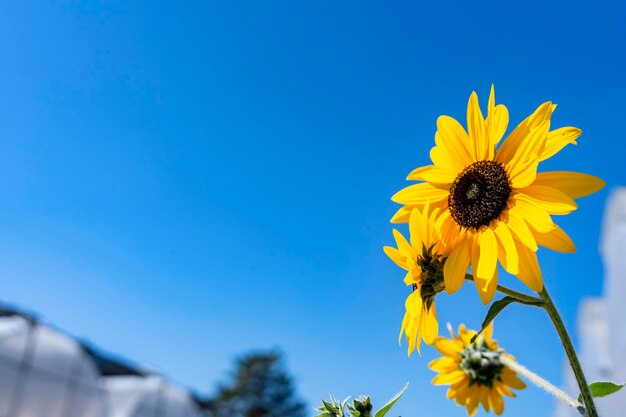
(542,383)
(550,308)
(545,301)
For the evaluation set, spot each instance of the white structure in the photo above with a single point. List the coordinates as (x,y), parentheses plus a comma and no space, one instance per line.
(135,396)
(44,373)
(602,321)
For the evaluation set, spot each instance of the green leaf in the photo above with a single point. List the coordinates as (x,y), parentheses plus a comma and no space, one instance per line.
(602,389)
(391,402)
(495,309)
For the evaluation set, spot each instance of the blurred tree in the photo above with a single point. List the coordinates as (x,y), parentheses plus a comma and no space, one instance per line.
(260,386)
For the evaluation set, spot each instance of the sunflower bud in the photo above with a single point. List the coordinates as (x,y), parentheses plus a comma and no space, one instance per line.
(361,407)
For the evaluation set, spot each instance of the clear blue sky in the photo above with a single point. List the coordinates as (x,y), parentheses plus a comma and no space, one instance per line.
(182,182)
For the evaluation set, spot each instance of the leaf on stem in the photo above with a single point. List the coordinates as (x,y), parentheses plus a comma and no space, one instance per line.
(602,389)
(497,307)
(391,402)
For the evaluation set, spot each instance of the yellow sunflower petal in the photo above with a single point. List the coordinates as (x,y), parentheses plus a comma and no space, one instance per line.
(416,174)
(488,249)
(574,184)
(404,247)
(405,324)
(466,335)
(472,399)
(550,199)
(476,129)
(533,214)
(413,276)
(432,173)
(497,121)
(529,149)
(462,392)
(557,240)
(451,393)
(417,229)
(519,134)
(449,378)
(402,215)
(412,337)
(426,227)
(417,344)
(456,266)
(395,255)
(525,174)
(448,229)
(485,393)
(503,389)
(444,364)
(510,378)
(420,194)
(430,325)
(558,139)
(520,229)
(529,271)
(454,141)
(487,287)
(496,402)
(507,251)
(413,304)
(448,347)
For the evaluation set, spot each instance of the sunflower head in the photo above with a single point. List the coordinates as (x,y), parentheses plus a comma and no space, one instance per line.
(493,205)
(423,257)
(474,370)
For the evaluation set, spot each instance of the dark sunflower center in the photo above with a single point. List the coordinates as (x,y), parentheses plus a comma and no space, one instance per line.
(479,194)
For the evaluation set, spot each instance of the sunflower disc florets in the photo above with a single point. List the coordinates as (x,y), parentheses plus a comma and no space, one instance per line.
(479,194)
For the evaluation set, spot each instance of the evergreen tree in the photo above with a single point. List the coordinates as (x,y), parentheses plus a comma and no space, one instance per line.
(260,386)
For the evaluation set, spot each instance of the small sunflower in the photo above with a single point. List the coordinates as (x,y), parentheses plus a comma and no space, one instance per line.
(474,371)
(493,204)
(423,259)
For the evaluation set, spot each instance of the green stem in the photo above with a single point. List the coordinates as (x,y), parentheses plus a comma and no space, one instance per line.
(550,308)
(526,299)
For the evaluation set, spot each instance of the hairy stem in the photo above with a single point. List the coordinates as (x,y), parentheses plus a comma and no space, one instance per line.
(541,383)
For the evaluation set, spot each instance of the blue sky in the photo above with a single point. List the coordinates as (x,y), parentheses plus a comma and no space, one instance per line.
(182,183)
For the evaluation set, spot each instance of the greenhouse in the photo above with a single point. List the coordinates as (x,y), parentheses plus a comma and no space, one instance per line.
(46,373)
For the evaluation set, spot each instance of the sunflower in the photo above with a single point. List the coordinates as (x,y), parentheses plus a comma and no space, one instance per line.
(474,371)
(493,204)
(423,259)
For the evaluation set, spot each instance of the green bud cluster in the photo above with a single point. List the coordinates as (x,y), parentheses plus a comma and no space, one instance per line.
(332,408)
(361,407)
(481,363)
